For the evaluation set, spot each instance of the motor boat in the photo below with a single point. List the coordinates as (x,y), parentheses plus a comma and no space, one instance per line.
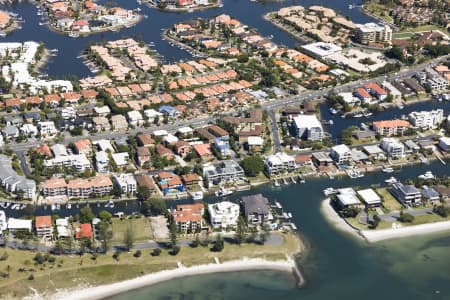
(427,176)
(223,192)
(329,191)
(196,196)
(391,180)
(387,170)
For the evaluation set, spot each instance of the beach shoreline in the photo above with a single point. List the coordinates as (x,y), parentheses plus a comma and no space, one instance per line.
(378,235)
(109,290)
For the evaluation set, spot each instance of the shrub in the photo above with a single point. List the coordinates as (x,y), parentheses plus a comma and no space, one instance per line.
(156,252)
(31,277)
(175,250)
(137,254)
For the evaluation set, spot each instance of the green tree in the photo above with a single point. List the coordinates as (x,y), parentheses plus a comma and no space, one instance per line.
(104,235)
(240,230)
(105,216)
(128,237)
(252,165)
(218,244)
(86,215)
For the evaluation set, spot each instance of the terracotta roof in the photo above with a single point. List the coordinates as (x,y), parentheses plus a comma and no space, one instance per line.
(54,183)
(145,181)
(33,100)
(44,149)
(391,123)
(188,213)
(84,232)
(43,221)
(89,94)
(145,139)
(302,158)
(190,177)
(202,149)
(52,98)
(82,144)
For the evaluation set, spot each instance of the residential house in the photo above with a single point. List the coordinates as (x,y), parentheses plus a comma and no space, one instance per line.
(257,209)
(223,215)
(227,170)
(406,194)
(308,127)
(189,217)
(44,227)
(126,182)
(279,163)
(341,154)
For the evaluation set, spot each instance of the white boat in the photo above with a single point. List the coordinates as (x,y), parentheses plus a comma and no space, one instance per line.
(223,192)
(23,206)
(428,175)
(367,114)
(388,170)
(69,206)
(329,191)
(74,34)
(276,183)
(391,180)
(111,204)
(360,115)
(355,174)
(53,207)
(196,196)
(332,111)
(2,34)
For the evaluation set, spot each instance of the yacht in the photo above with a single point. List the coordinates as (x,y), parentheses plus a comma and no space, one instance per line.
(388,170)
(367,114)
(427,175)
(332,111)
(329,191)
(74,34)
(196,196)
(391,180)
(2,34)
(223,192)
(69,206)
(355,174)
(111,204)
(276,183)
(359,115)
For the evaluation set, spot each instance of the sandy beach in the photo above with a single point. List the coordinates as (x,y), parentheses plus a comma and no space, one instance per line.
(104,291)
(386,234)
(334,219)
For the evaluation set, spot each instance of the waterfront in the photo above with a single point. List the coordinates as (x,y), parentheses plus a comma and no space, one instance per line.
(150,30)
(337,266)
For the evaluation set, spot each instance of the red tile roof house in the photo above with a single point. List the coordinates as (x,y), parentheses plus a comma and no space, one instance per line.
(164,152)
(303,159)
(85,231)
(191,179)
(143,155)
(83,146)
(71,98)
(183,148)
(44,227)
(363,95)
(376,90)
(44,150)
(80,25)
(189,217)
(204,151)
(89,95)
(168,181)
(52,100)
(145,140)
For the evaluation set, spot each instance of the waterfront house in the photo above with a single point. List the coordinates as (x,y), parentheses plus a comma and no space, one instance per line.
(321,159)
(279,163)
(406,194)
(170,182)
(227,170)
(146,182)
(444,144)
(224,214)
(430,194)
(370,198)
(425,120)
(257,209)
(44,227)
(341,154)
(126,182)
(191,180)
(62,228)
(393,147)
(308,127)
(19,225)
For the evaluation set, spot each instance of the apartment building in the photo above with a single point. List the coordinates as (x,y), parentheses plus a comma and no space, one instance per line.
(426,119)
(78,161)
(390,127)
(393,147)
(44,227)
(54,186)
(84,188)
(189,217)
(223,214)
(308,127)
(279,163)
(127,183)
(371,33)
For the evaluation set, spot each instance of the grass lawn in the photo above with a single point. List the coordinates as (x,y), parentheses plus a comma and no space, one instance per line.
(71,271)
(389,201)
(429,218)
(378,9)
(402,35)
(424,28)
(141,229)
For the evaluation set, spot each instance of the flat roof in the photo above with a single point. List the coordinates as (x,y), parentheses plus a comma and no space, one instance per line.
(369,196)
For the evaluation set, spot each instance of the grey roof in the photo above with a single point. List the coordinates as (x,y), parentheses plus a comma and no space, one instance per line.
(322,156)
(10,177)
(406,189)
(256,204)
(358,155)
(411,145)
(430,193)
(11,130)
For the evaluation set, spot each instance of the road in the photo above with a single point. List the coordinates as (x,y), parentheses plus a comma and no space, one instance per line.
(269,106)
(275,133)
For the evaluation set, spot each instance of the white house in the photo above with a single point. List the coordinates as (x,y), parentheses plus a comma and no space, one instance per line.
(444,143)
(341,153)
(135,118)
(393,147)
(127,183)
(278,163)
(223,214)
(29,129)
(427,119)
(19,224)
(308,127)
(47,128)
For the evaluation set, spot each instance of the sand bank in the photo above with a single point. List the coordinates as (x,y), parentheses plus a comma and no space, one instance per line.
(104,291)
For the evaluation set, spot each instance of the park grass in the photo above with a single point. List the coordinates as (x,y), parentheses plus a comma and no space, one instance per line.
(389,201)
(428,218)
(140,227)
(82,271)
(378,10)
